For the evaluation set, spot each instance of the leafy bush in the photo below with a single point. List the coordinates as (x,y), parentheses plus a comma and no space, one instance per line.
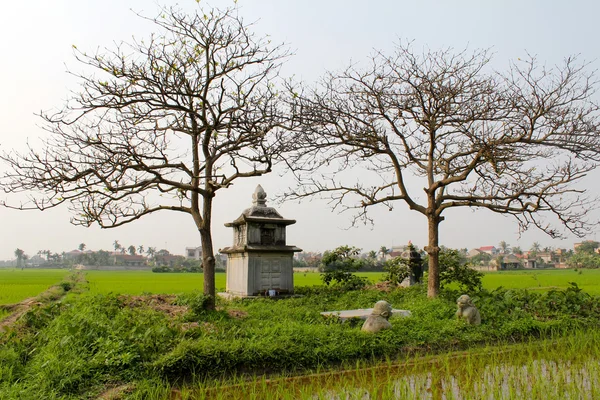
(454,268)
(178,268)
(161,269)
(398,269)
(584,260)
(339,266)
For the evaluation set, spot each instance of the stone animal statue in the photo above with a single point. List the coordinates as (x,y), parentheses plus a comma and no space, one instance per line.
(467,310)
(378,320)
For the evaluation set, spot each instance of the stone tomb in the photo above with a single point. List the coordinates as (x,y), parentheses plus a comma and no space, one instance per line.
(259,262)
(361,313)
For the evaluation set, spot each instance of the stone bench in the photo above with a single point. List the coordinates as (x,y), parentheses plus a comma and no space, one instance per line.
(362,313)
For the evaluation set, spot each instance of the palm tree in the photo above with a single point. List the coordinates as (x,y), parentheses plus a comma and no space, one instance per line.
(517,250)
(20,254)
(151,251)
(504,247)
(383,250)
(116,245)
(141,249)
(131,250)
(81,246)
(535,247)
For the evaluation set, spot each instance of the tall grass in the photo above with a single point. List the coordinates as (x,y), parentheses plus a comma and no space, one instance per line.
(88,342)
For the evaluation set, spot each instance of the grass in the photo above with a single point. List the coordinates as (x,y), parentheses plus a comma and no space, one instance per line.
(87,342)
(564,367)
(17,285)
(586,279)
(138,282)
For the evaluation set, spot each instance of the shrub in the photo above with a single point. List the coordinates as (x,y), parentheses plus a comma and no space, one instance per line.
(398,269)
(339,266)
(454,268)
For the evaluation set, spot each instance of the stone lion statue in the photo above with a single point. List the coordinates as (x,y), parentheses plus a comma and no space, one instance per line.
(378,320)
(467,310)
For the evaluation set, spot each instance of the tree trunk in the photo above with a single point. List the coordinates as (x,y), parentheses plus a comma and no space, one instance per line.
(208,257)
(433,250)
(208,266)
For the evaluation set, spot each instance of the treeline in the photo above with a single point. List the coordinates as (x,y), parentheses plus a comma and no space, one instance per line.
(586,256)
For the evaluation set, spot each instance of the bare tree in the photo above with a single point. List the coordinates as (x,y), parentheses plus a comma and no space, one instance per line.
(183,114)
(513,143)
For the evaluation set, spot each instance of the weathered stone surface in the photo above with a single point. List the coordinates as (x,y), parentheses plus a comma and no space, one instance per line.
(362,313)
(378,320)
(467,310)
(259,261)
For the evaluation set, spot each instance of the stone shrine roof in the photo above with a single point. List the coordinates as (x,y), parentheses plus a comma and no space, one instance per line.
(259,212)
(260,248)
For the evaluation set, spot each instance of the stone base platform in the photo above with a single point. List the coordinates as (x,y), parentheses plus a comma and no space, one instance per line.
(232,296)
(362,313)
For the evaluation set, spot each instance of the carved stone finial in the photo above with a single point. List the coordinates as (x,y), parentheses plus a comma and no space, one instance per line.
(259,197)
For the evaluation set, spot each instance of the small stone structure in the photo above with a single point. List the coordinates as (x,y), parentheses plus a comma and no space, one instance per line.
(415,264)
(467,310)
(378,320)
(260,262)
(361,313)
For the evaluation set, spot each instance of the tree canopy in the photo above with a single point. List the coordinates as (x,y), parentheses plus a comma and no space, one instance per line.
(441,130)
(159,124)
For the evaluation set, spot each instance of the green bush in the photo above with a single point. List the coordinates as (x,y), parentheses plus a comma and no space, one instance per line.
(339,267)
(455,269)
(397,270)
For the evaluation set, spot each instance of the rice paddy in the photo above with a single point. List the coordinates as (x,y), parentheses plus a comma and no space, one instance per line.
(17,285)
(565,368)
(138,282)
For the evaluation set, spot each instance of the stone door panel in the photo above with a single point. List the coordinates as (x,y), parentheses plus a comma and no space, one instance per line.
(270,273)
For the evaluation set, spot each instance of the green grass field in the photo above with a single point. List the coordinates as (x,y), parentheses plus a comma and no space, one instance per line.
(587,279)
(17,285)
(138,282)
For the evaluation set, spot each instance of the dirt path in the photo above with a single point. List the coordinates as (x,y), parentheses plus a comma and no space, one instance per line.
(18,310)
(51,294)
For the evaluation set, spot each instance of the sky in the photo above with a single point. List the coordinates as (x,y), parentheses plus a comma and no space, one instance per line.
(36,39)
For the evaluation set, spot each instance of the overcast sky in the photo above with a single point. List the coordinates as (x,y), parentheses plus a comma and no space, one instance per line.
(36,46)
